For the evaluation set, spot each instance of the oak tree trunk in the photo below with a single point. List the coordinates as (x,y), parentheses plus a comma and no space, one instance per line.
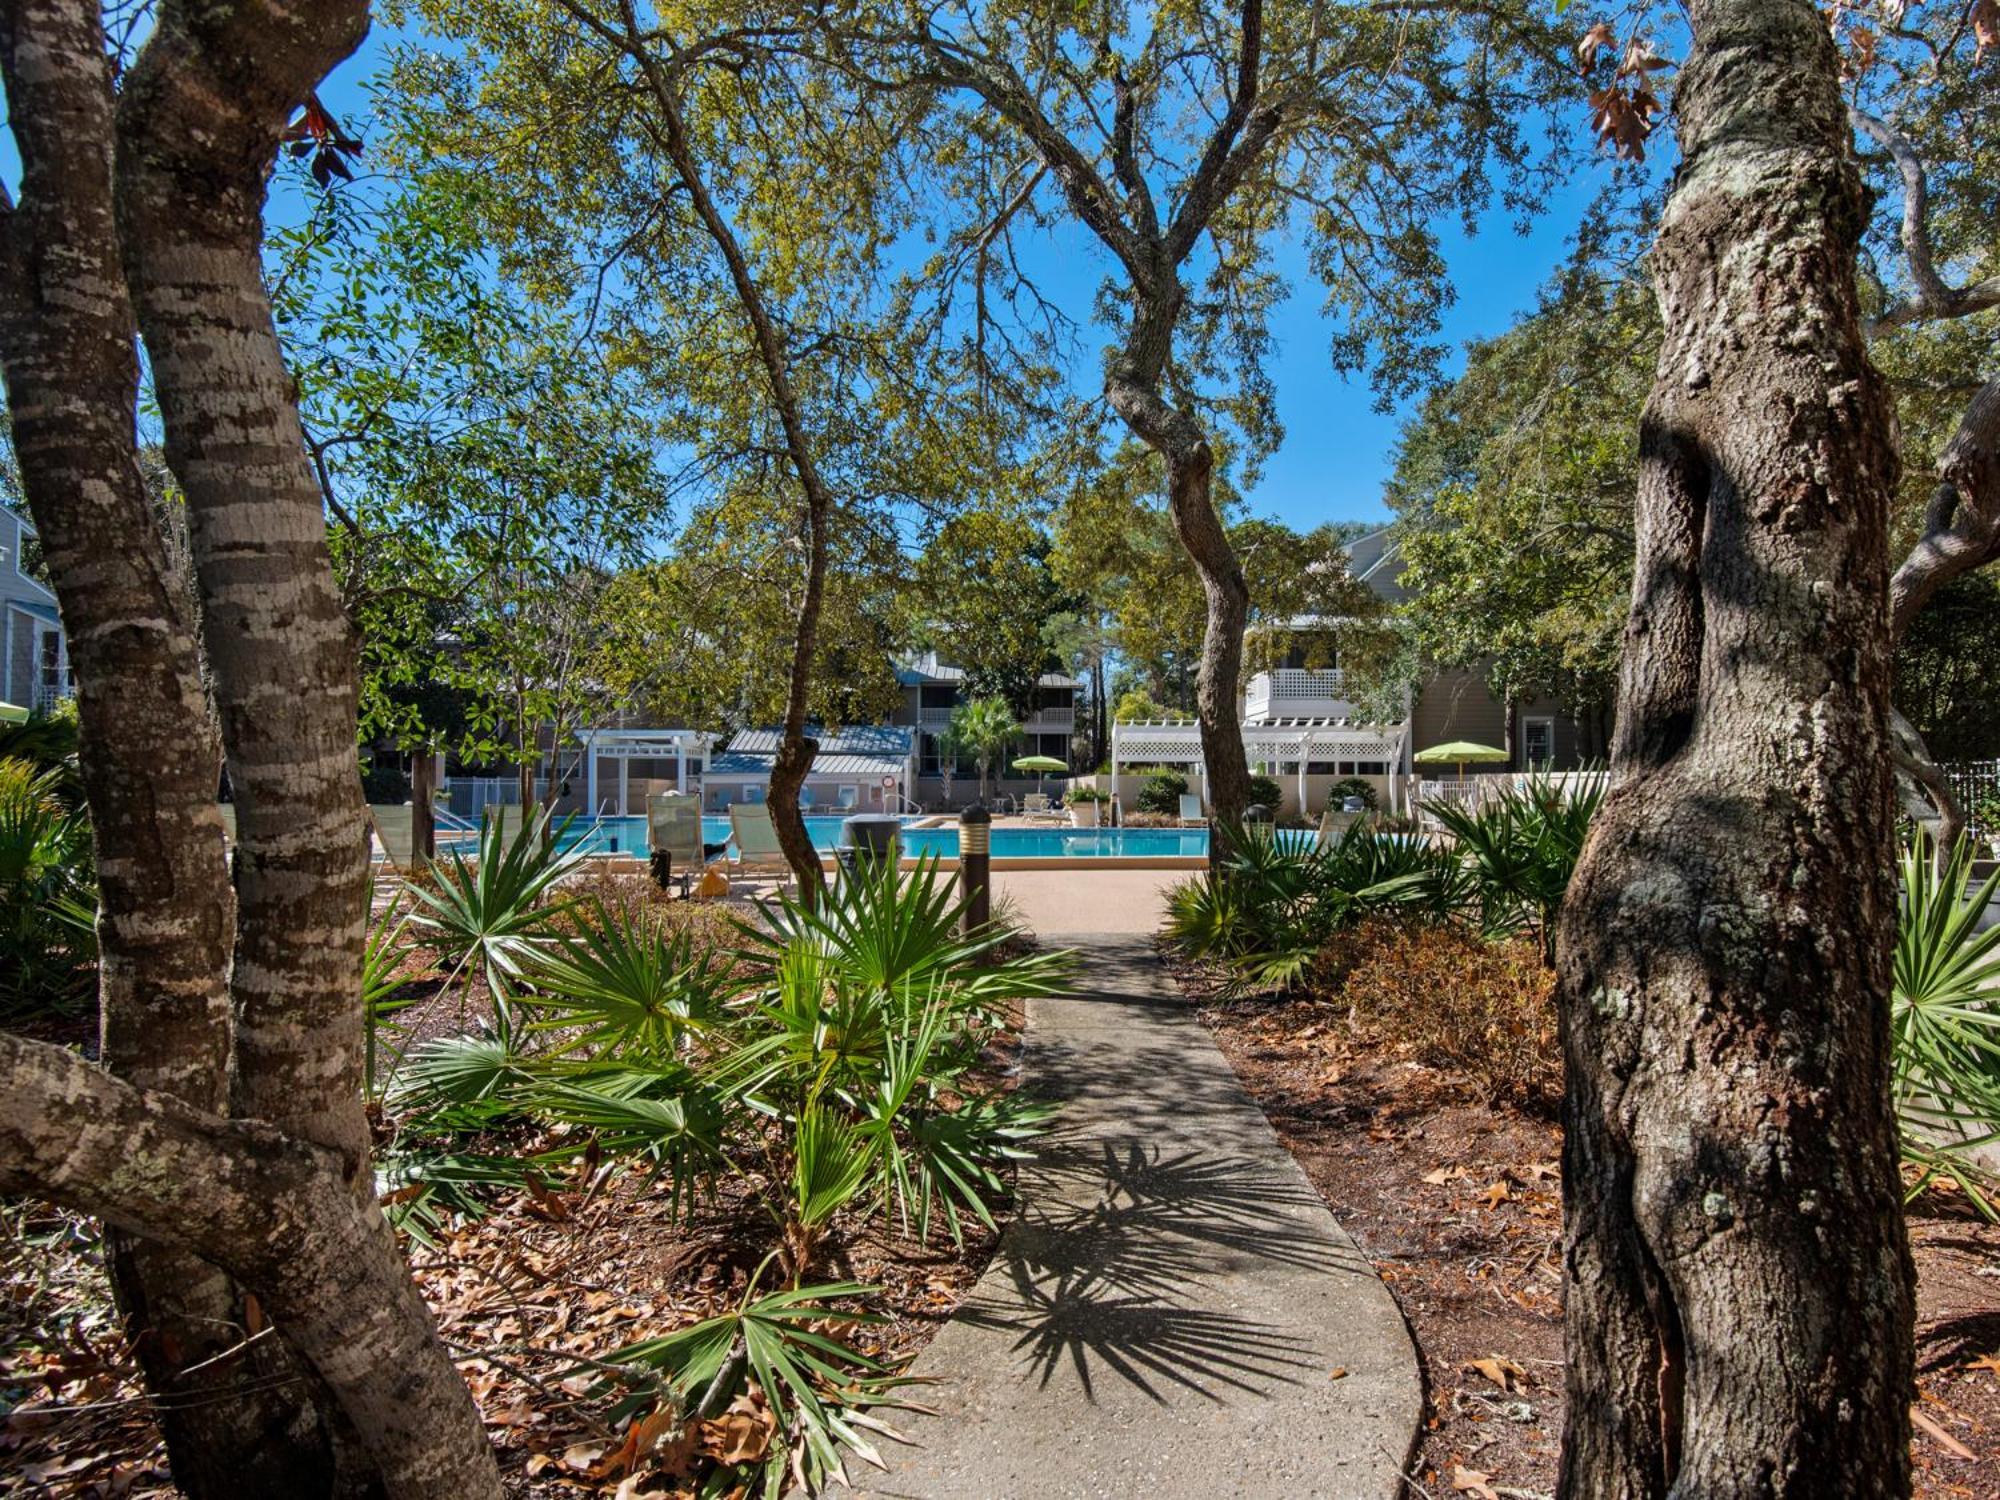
(1739,1286)
(1177,437)
(234,1424)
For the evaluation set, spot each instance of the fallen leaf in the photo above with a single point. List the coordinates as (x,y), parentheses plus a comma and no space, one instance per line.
(1497,1194)
(735,1438)
(580,1456)
(1501,1371)
(1985,1362)
(1472,1482)
(1339,1374)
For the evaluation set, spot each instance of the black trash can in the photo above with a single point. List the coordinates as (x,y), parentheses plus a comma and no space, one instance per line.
(868,840)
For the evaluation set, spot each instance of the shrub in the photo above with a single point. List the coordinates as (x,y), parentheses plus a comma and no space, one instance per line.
(1088,794)
(1458,1001)
(1272,900)
(1266,792)
(48,894)
(1521,848)
(1162,791)
(1945,1021)
(1352,786)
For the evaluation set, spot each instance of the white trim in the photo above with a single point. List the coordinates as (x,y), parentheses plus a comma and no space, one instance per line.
(1528,761)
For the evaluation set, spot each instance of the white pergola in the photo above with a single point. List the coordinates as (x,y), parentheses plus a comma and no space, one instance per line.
(627,745)
(1177,742)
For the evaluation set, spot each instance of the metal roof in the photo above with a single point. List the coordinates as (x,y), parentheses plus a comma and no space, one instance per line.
(733,764)
(895,740)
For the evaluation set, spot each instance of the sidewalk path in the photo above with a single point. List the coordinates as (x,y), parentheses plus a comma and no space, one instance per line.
(1169,1314)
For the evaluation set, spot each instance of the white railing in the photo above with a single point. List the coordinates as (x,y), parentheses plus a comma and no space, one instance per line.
(1973,783)
(1295,692)
(51,690)
(1063,717)
(929,715)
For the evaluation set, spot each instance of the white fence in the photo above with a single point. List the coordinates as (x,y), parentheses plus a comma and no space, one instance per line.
(1976,782)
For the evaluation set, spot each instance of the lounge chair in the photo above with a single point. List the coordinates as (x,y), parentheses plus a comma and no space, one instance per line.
(850,798)
(805,799)
(673,829)
(1038,805)
(1334,823)
(757,848)
(1191,813)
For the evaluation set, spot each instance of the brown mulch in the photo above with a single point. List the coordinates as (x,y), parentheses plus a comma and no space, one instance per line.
(561,1272)
(1456,1200)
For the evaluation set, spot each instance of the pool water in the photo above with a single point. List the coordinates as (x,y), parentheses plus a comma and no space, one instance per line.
(628,836)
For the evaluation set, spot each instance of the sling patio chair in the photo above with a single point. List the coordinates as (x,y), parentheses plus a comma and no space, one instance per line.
(757,849)
(1191,813)
(673,829)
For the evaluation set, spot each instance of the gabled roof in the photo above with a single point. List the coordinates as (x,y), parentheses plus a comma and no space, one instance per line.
(1377,560)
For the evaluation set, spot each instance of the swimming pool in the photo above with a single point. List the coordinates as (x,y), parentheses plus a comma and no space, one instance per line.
(628,836)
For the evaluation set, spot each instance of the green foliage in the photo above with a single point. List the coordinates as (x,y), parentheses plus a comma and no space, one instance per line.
(1514,492)
(1275,897)
(1945,1016)
(1161,792)
(1265,792)
(493,914)
(982,729)
(784,1341)
(1944,669)
(1520,847)
(385,785)
(983,596)
(48,894)
(833,1055)
(1353,786)
(1115,544)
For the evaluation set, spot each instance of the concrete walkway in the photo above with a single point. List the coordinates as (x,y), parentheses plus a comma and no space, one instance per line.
(1172,1312)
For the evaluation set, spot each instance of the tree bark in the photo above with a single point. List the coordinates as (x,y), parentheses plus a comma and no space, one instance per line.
(1739,1286)
(235,1425)
(198,128)
(282,1216)
(1218,679)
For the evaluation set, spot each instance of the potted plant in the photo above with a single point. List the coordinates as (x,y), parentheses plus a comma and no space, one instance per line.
(1084,806)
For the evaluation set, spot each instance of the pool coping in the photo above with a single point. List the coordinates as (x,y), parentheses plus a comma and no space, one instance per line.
(626,864)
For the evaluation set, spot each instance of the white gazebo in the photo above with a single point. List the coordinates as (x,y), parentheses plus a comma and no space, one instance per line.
(627,745)
(1177,742)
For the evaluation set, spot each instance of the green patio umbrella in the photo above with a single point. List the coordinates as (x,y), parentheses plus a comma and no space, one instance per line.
(1458,753)
(1041,765)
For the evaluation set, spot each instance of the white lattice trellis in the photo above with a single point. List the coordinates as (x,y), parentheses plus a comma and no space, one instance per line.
(1177,742)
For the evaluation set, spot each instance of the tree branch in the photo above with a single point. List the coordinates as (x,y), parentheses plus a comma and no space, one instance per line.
(1962,522)
(1934,298)
(276,1213)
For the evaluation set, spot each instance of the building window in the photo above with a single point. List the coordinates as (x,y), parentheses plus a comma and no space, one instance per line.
(1538,743)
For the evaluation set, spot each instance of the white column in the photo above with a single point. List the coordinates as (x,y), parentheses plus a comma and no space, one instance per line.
(1114,768)
(680,764)
(590,773)
(1305,754)
(624,782)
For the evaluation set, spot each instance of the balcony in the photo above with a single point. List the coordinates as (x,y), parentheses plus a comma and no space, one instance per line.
(1296,693)
(1042,720)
